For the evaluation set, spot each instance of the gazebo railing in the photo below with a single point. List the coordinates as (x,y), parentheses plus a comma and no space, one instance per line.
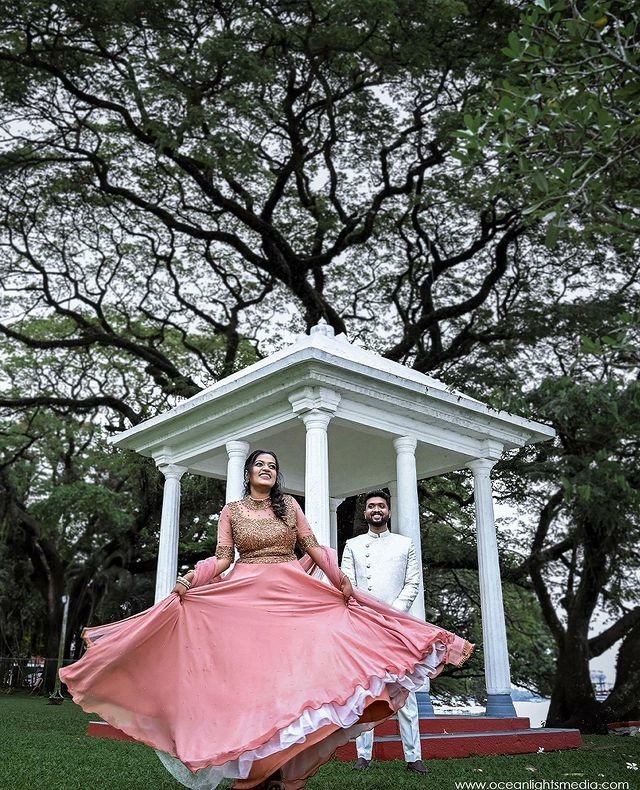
(26,674)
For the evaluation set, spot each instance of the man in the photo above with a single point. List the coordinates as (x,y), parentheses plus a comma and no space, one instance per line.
(385,565)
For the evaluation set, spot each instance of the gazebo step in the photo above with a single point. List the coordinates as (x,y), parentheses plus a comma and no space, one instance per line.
(445,725)
(624,727)
(436,747)
(100,729)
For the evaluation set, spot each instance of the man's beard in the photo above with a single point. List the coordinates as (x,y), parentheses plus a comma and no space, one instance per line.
(383,522)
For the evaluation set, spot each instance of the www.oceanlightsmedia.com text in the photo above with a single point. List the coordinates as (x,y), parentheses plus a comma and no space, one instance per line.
(543,784)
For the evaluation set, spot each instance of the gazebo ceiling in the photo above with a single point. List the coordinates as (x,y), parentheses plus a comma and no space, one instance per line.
(373,401)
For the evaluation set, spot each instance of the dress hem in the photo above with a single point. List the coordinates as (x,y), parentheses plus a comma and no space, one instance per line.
(388,687)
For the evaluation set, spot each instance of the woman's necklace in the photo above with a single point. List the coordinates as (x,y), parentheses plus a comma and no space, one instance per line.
(257,504)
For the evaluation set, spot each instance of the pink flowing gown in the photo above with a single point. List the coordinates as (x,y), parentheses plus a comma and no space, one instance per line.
(265,669)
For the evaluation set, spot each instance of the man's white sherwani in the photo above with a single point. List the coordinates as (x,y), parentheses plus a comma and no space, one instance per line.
(386,566)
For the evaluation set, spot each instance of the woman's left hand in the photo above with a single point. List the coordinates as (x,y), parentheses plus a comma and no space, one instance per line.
(345,588)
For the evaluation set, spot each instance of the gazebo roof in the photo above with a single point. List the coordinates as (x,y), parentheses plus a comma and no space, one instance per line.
(374,401)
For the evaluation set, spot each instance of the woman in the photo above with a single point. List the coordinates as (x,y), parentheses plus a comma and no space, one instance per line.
(261,675)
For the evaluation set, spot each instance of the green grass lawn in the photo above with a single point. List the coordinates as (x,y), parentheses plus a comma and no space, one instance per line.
(44,747)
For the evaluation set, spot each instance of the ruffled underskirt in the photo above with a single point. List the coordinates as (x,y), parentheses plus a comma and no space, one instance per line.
(344,719)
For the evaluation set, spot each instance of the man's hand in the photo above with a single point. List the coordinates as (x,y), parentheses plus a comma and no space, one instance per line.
(345,588)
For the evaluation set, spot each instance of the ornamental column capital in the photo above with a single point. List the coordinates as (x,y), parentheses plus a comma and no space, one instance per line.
(172,471)
(316,418)
(405,444)
(237,449)
(481,467)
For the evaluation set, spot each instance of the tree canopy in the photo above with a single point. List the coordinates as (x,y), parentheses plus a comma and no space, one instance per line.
(228,165)
(564,118)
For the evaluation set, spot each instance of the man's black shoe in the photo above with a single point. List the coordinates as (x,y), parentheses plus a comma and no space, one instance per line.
(361,764)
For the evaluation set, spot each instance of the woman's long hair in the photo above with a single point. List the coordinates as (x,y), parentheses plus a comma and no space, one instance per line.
(277,497)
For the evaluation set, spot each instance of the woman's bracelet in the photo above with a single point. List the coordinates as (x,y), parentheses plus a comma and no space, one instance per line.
(184,582)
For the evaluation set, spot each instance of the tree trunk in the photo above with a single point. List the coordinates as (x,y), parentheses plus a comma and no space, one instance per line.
(623,704)
(52,631)
(573,702)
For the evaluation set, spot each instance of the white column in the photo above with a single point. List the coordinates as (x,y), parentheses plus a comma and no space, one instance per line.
(316,473)
(169,531)
(494,632)
(334,503)
(237,452)
(404,502)
(407,509)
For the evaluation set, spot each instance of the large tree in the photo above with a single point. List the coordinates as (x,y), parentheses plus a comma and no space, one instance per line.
(63,507)
(452,593)
(82,521)
(243,169)
(239,166)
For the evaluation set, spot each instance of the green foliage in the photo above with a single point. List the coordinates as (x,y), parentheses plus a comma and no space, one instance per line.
(572,531)
(62,504)
(62,373)
(96,512)
(564,118)
(21,610)
(597,461)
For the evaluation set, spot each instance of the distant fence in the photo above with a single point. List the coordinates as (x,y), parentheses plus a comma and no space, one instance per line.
(26,673)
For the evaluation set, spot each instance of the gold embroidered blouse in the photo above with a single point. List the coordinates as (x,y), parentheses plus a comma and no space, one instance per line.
(260,536)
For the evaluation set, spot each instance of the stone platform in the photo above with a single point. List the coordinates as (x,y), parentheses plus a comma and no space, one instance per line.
(624,727)
(467,736)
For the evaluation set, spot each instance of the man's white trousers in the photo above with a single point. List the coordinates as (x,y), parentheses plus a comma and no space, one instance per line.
(409,733)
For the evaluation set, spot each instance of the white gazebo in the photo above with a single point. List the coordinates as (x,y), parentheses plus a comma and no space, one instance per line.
(342,420)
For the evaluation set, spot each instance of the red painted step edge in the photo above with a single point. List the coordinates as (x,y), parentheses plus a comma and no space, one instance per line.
(100,729)
(446,725)
(469,745)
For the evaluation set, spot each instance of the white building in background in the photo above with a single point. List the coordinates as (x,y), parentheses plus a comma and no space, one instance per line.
(342,420)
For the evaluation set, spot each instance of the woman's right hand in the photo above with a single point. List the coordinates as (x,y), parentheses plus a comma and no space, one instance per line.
(180,588)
